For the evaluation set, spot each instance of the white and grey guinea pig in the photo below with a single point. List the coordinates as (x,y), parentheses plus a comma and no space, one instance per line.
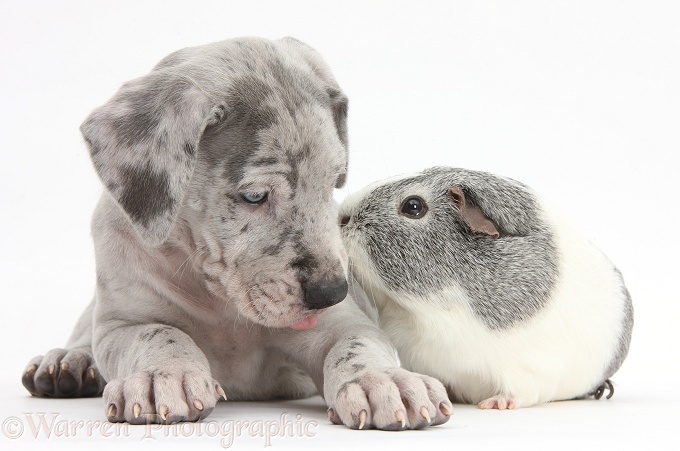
(480,284)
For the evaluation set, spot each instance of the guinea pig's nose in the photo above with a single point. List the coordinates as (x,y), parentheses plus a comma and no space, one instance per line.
(344,220)
(322,295)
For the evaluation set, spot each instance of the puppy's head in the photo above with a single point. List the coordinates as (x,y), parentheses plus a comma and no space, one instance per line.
(242,141)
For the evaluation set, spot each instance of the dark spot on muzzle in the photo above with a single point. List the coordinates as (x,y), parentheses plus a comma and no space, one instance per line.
(325,294)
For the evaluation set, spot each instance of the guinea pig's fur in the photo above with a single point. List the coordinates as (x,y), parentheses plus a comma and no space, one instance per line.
(487,288)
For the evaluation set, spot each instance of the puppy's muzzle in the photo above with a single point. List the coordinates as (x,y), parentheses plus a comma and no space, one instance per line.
(324,294)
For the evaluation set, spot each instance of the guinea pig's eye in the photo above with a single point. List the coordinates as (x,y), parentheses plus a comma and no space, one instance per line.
(255,198)
(413,207)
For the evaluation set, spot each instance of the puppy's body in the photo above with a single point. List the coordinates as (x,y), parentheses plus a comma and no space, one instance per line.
(218,250)
(513,312)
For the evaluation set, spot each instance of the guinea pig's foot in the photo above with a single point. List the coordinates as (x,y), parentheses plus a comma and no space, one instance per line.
(390,399)
(500,402)
(599,391)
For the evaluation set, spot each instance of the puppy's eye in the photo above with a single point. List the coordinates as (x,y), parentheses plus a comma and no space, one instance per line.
(255,198)
(413,207)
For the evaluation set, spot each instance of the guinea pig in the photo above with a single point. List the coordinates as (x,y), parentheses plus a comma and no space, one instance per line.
(480,283)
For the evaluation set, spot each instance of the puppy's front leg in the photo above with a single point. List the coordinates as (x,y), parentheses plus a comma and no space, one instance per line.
(364,387)
(156,374)
(68,372)
(355,367)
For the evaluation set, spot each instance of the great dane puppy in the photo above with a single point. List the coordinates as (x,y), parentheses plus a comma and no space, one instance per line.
(220,266)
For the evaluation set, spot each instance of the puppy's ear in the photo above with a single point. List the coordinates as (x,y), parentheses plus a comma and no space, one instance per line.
(472,215)
(339,105)
(339,102)
(143,145)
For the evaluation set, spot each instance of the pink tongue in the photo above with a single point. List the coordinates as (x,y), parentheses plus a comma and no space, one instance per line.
(306,323)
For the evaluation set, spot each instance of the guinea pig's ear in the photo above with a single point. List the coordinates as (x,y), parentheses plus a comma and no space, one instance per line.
(472,215)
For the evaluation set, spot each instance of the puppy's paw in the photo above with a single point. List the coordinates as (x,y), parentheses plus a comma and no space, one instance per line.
(164,396)
(500,402)
(391,399)
(63,373)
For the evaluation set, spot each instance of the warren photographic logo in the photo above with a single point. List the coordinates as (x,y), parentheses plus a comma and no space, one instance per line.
(51,426)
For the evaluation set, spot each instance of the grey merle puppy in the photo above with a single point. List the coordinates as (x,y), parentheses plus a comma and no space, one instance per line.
(220,266)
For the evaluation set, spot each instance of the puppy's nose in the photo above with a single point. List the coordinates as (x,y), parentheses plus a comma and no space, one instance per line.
(321,295)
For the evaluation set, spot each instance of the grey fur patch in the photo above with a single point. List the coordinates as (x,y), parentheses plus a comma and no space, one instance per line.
(356,344)
(508,280)
(137,126)
(252,111)
(145,194)
(281,242)
(349,356)
(150,334)
(345,386)
(306,262)
(265,161)
(293,159)
(237,134)
(342,179)
(358,367)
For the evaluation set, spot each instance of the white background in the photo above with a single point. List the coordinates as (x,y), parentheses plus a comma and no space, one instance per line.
(579,99)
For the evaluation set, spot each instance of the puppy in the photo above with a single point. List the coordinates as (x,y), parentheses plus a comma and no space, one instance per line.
(480,283)
(220,266)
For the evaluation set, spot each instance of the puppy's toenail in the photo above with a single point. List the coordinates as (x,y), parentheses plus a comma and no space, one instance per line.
(425,414)
(220,391)
(446,410)
(362,419)
(112,411)
(400,417)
